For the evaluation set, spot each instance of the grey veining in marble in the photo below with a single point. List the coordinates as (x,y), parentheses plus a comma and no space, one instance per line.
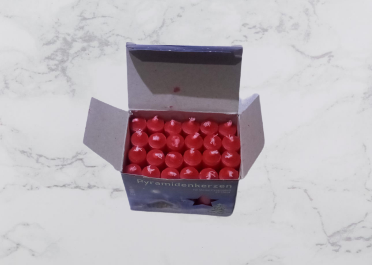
(307,199)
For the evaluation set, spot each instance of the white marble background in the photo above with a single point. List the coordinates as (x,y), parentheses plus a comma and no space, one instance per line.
(308,198)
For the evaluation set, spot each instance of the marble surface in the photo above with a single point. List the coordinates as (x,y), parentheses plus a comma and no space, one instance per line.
(308,198)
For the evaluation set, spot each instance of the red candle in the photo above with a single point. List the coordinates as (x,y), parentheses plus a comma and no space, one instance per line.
(133,169)
(157,141)
(137,124)
(170,173)
(172,127)
(211,158)
(155,125)
(175,142)
(137,155)
(194,141)
(151,171)
(230,159)
(139,138)
(192,158)
(229,173)
(227,128)
(208,173)
(190,127)
(231,143)
(174,160)
(156,158)
(189,173)
(208,127)
(212,142)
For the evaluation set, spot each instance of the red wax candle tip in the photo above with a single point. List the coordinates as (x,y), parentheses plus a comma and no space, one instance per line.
(133,169)
(208,173)
(231,143)
(208,127)
(170,173)
(190,127)
(175,142)
(174,160)
(194,141)
(189,173)
(137,155)
(155,125)
(212,142)
(229,173)
(151,171)
(211,158)
(155,157)
(157,141)
(172,127)
(137,124)
(230,159)
(139,138)
(227,128)
(192,157)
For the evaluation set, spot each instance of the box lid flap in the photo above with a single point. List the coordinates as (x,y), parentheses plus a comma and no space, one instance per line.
(192,78)
(105,132)
(251,132)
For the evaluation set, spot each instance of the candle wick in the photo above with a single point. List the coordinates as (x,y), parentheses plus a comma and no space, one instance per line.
(158,155)
(176,141)
(195,135)
(207,124)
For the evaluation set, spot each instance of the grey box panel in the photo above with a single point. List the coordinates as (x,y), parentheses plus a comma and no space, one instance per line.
(186,78)
(251,132)
(105,132)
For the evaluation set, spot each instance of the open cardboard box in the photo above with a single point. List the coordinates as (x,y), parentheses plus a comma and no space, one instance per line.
(177,82)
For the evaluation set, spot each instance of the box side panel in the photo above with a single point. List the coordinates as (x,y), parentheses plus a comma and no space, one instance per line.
(251,133)
(105,132)
(208,197)
(176,79)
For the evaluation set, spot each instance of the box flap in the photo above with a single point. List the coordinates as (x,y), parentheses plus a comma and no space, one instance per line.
(251,132)
(105,132)
(192,78)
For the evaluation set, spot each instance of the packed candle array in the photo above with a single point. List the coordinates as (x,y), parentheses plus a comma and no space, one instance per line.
(183,150)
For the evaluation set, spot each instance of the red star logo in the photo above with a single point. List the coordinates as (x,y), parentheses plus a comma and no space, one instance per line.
(203,200)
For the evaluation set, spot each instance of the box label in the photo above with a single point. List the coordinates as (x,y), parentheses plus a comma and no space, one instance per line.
(210,197)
